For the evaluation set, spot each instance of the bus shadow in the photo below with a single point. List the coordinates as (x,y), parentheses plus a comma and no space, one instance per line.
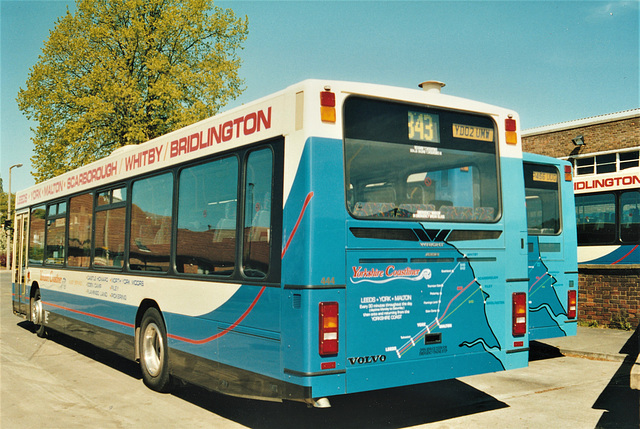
(542,351)
(390,408)
(89,350)
(620,402)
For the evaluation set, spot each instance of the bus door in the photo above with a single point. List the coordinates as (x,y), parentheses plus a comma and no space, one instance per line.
(19,281)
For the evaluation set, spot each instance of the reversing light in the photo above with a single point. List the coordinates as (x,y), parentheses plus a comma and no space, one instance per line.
(519,314)
(572,306)
(328,328)
(567,173)
(328,105)
(510,128)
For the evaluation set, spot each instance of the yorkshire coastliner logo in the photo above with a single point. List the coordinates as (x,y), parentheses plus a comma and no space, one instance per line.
(374,275)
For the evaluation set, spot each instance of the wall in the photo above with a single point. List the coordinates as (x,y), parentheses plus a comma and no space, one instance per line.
(598,138)
(609,297)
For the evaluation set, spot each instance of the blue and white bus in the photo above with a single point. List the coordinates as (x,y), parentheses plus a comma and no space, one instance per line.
(553,263)
(328,239)
(607,188)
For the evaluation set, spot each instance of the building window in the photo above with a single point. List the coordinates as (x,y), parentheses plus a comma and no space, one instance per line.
(606,163)
(629,159)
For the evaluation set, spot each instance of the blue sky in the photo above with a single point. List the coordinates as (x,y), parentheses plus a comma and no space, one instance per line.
(552,61)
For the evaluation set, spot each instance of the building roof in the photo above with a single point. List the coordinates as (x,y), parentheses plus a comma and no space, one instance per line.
(609,117)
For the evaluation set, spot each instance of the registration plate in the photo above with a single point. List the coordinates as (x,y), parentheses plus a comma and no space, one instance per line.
(472,133)
(543,176)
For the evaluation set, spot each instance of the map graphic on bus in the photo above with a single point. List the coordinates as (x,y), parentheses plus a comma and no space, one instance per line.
(417,310)
(545,308)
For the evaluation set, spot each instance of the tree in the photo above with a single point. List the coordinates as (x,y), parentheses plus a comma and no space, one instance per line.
(120,72)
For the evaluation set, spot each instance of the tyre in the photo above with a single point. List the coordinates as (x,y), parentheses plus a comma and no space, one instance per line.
(37,315)
(154,352)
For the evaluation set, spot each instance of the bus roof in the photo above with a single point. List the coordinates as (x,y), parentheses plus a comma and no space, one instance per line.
(261,119)
(543,159)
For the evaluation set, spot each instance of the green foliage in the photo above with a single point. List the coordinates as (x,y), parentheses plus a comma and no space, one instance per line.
(620,320)
(589,324)
(121,72)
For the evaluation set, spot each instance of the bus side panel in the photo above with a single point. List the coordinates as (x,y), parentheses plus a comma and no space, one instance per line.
(313,220)
(619,255)
(241,333)
(514,216)
(313,266)
(87,318)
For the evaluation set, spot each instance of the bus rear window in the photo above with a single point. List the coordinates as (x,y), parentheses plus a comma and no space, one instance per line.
(541,184)
(408,162)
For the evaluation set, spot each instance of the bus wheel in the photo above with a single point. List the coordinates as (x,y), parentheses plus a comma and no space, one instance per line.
(37,315)
(154,352)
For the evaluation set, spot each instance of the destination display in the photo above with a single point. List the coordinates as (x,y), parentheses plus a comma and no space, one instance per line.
(424,127)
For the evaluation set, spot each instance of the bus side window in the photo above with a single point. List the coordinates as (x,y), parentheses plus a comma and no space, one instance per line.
(36,238)
(56,232)
(257,214)
(151,207)
(109,230)
(630,217)
(207,215)
(80,222)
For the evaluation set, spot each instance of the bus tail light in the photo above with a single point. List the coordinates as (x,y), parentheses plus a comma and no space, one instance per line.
(519,314)
(510,128)
(327,105)
(572,306)
(567,173)
(328,328)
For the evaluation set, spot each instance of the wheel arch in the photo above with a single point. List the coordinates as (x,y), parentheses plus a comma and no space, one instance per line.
(142,308)
(33,288)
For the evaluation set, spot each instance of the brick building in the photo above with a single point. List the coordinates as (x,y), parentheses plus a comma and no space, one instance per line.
(601,148)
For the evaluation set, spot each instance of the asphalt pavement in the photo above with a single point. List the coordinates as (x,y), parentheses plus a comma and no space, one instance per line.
(601,344)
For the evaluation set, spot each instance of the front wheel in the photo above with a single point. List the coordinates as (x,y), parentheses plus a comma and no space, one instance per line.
(37,315)
(154,352)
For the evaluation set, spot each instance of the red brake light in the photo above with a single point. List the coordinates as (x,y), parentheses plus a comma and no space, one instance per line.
(573,304)
(328,328)
(519,314)
(567,173)
(510,131)
(327,106)
(327,99)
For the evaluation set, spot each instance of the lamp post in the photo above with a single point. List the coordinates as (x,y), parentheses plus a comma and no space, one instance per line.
(9,235)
